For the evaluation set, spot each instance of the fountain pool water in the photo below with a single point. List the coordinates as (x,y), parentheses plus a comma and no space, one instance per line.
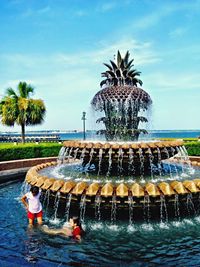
(176,242)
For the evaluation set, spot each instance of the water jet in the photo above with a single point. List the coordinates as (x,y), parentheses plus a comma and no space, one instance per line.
(121,175)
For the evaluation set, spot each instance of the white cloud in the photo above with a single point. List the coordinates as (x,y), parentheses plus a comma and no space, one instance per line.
(163,11)
(178,32)
(105,52)
(162,81)
(152,19)
(44,10)
(27,13)
(81,13)
(107,6)
(82,71)
(74,76)
(30,12)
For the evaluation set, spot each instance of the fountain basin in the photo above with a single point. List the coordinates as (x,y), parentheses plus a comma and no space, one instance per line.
(123,192)
(131,154)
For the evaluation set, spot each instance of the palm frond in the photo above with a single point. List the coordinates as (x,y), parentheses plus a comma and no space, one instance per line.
(11,92)
(102,119)
(25,89)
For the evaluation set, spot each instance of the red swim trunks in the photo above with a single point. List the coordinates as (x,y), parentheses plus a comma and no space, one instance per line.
(32,216)
(76,231)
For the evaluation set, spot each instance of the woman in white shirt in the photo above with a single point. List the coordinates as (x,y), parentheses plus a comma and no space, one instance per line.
(31,201)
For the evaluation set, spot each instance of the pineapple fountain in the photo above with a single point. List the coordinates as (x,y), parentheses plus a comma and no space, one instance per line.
(121,175)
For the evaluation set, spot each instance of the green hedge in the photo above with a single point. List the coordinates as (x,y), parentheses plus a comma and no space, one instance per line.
(193,148)
(188,139)
(26,151)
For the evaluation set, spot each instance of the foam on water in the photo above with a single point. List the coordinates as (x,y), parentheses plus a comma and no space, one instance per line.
(78,179)
(56,172)
(96,180)
(67,224)
(188,221)
(164,226)
(191,170)
(68,178)
(142,181)
(86,180)
(131,229)
(197,219)
(18,199)
(119,181)
(147,227)
(176,223)
(97,226)
(113,227)
(184,175)
(130,181)
(55,221)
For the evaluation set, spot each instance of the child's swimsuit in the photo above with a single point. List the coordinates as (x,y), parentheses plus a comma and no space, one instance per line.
(76,231)
(34,205)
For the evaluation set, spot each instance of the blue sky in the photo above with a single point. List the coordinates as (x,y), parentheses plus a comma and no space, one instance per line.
(59,46)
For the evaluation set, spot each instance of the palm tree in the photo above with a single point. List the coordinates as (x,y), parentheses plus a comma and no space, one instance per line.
(19,108)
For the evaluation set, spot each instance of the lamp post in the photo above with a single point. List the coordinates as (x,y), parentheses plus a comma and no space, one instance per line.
(84,119)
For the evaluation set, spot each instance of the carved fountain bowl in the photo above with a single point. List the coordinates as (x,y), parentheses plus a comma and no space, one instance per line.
(136,153)
(121,187)
(117,93)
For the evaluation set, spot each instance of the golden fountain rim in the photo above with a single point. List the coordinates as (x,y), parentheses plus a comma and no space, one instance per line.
(121,144)
(33,176)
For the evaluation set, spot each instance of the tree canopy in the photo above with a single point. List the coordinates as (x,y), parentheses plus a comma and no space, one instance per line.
(17,107)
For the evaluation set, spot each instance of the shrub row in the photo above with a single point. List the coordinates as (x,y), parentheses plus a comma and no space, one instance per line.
(187,139)
(190,139)
(193,148)
(26,151)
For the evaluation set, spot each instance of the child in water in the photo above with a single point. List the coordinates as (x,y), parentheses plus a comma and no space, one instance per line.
(75,230)
(31,201)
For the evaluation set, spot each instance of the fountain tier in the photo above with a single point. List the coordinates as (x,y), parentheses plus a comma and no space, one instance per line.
(120,157)
(122,192)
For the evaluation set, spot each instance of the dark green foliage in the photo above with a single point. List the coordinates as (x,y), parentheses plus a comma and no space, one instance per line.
(187,139)
(121,72)
(20,151)
(190,139)
(19,108)
(193,148)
